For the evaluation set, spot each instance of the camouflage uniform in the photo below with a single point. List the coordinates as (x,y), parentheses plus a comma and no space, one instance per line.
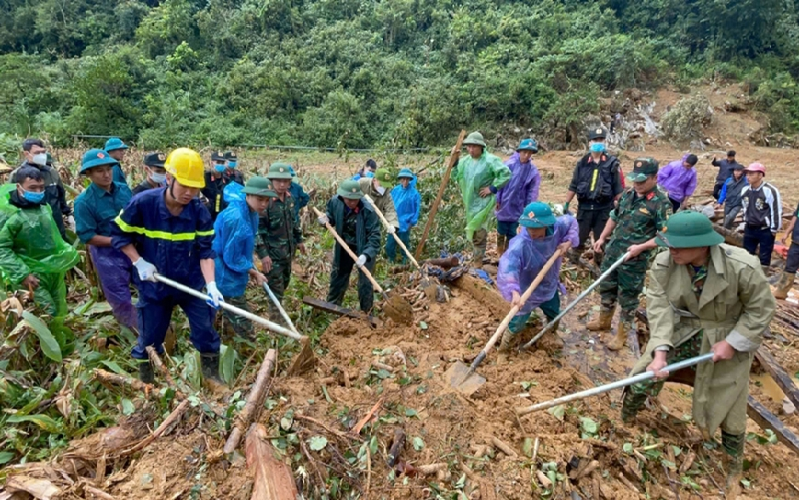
(279,233)
(638,219)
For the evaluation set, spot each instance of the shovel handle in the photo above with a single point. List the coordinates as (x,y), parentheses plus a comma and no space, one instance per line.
(235,310)
(396,238)
(352,255)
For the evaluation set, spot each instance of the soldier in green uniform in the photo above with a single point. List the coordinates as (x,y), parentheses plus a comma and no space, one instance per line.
(704,296)
(642,212)
(279,235)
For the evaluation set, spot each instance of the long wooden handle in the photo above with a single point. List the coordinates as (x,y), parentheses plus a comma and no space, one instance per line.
(453,160)
(388,225)
(350,252)
(525,296)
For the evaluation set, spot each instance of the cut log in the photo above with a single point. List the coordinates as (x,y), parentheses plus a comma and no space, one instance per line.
(273,479)
(255,401)
(731,237)
(779,374)
(336,309)
(767,420)
(483,294)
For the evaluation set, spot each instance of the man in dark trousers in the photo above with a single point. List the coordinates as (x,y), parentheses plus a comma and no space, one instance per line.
(762,208)
(596,182)
(725,166)
(359,227)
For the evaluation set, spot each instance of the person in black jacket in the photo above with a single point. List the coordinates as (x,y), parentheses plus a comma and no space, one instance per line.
(725,167)
(597,184)
(156,173)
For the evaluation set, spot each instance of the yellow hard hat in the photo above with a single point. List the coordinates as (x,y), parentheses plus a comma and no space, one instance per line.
(186,166)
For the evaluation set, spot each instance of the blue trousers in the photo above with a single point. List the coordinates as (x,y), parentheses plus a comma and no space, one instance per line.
(154,318)
(551,309)
(391,246)
(507,228)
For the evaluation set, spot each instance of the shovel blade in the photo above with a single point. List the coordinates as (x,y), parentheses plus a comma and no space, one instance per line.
(454,376)
(304,361)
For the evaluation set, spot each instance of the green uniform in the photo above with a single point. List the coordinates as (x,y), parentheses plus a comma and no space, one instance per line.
(638,219)
(279,234)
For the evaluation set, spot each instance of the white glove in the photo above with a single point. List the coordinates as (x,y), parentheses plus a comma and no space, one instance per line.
(323,220)
(71,222)
(214,296)
(391,230)
(361,261)
(146,270)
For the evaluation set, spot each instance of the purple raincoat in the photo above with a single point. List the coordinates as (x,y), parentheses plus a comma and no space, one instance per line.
(679,181)
(520,191)
(525,258)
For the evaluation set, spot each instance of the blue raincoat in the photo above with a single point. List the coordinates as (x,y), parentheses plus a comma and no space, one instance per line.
(408,203)
(525,258)
(235,230)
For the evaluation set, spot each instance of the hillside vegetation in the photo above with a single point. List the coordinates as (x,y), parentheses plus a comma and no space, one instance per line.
(358,73)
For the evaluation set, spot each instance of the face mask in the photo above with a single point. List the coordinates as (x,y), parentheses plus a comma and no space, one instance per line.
(158,178)
(219,168)
(33,197)
(381,190)
(597,147)
(39,159)
(232,164)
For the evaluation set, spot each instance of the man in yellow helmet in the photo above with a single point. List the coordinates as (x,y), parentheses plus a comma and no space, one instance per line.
(169,231)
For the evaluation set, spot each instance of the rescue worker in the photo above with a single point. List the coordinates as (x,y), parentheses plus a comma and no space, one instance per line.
(116,149)
(235,233)
(95,210)
(704,296)
(301,198)
(678,180)
(726,167)
(407,205)
(730,195)
(155,173)
(785,283)
(542,235)
(642,212)
(33,256)
(762,208)
(215,181)
(480,176)
(521,190)
(359,227)
(54,193)
(169,231)
(597,183)
(375,187)
(279,236)
(231,168)
(369,167)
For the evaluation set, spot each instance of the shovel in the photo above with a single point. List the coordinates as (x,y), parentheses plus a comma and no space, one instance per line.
(574,303)
(279,306)
(462,377)
(613,385)
(396,307)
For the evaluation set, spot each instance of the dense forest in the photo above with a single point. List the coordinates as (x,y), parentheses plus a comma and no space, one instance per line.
(358,73)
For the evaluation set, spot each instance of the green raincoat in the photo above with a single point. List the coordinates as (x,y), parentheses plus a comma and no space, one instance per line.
(736,305)
(473,175)
(30,243)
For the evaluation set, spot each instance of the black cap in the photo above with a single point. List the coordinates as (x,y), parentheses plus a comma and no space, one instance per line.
(597,133)
(691,159)
(217,156)
(230,155)
(155,160)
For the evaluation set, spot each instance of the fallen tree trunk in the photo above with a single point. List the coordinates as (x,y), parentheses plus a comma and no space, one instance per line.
(767,420)
(255,401)
(483,294)
(273,480)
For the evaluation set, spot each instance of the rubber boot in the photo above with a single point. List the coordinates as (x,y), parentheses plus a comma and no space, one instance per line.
(733,461)
(617,342)
(146,374)
(601,322)
(210,370)
(507,338)
(631,404)
(502,244)
(784,286)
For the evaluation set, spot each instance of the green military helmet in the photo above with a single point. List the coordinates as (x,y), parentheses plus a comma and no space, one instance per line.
(96,158)
(537,214)
(475,139)
(688,229)
(350,189)
(259,186)
(643,168)
(279,171)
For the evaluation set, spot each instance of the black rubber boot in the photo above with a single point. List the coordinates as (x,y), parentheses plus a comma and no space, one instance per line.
(146,374)
(210,368)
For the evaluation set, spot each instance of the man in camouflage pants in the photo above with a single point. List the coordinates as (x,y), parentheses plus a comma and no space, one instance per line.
(279,236)
(642,211)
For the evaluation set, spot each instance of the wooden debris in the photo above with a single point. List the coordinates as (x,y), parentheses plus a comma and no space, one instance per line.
(166,424)
(397,444)
(336,309)
(273,479)
(155,359)
(430,469)
(687,462)
(41,489)
(368,417)
(591,467)
(779,374)
(626,482)
(503,447)
(543,479)
(108,379)
(255,401)
(767,420)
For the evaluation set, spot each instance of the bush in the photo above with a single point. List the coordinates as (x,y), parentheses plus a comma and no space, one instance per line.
(686,119)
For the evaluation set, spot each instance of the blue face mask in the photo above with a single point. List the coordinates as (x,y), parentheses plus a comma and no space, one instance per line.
(33,197)
(232,164)
(219,168)
(597,147)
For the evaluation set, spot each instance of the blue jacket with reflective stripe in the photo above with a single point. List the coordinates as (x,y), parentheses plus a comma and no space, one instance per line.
(174,244)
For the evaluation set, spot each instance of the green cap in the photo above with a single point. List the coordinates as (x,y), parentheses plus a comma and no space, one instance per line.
(259,186)
(279,171)
(537,214)
(643,168)
(475,139)
(350,189)
(96,158)
(688,229)
(384,175)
